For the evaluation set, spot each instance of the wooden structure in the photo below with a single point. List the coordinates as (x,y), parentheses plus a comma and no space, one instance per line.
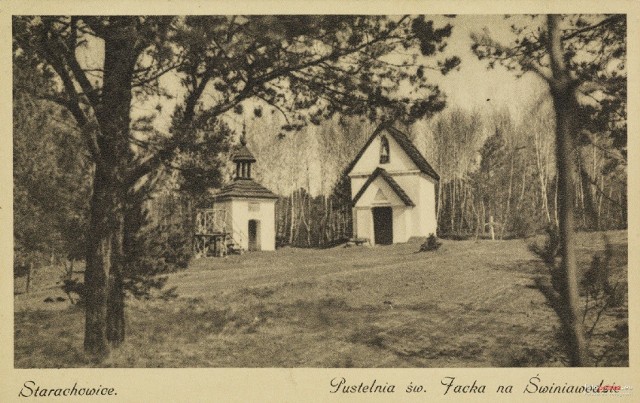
(357,242)
(211,235)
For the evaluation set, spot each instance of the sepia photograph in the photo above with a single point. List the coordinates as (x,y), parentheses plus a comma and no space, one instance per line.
(320,190)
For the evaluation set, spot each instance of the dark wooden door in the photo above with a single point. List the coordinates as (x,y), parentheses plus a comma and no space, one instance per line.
(254,235)
(382,225)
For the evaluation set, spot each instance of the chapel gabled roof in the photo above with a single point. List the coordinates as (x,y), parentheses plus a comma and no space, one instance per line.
(390,181)
(407,146)
(244,188)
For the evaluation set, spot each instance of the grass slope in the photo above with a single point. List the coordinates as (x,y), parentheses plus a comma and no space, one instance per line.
(469,304)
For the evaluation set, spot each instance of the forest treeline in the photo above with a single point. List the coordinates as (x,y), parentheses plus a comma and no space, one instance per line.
(493,164)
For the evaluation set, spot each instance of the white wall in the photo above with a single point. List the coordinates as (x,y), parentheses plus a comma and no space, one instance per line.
(400,215)
(368,197)
(410,184)
(370,159)
(357,183)
(407,221)
(226,206)
(363,223)
(241,215)
(427,220)
(413,187)
(268,225)
(419,221)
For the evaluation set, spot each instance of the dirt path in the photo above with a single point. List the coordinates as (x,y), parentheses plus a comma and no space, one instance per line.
(457,306)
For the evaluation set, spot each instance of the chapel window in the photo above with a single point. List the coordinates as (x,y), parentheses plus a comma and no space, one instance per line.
(384,150)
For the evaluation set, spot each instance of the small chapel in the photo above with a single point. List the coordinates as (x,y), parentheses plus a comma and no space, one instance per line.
(242,217)
(393,189)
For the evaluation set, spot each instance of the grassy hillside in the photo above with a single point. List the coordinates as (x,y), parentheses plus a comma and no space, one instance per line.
(468,304)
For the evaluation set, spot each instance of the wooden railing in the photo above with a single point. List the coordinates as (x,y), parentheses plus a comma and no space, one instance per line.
(210,221)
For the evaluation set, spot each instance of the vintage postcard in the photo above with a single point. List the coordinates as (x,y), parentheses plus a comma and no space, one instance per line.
(305,201)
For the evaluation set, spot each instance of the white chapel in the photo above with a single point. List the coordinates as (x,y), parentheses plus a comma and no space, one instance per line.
(393,189)
(247,208)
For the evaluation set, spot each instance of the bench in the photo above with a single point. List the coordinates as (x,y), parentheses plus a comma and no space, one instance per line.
(357,242)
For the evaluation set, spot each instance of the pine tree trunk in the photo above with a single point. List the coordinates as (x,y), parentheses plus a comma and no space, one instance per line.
(104,272)
(566,225)
(115,309)
(565,108)
(98,267)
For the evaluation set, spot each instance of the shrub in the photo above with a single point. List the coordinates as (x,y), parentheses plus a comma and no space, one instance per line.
(430,244)
(601,293)
(551,247)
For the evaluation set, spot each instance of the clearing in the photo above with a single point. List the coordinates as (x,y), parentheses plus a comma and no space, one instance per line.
(468,304)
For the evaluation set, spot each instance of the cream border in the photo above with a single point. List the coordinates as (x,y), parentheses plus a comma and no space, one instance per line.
(306,384)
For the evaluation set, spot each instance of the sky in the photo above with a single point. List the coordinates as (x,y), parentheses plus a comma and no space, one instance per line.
(472,86)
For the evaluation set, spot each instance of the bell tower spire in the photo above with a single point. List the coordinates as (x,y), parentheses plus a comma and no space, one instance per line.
(243,157)
(243,136)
